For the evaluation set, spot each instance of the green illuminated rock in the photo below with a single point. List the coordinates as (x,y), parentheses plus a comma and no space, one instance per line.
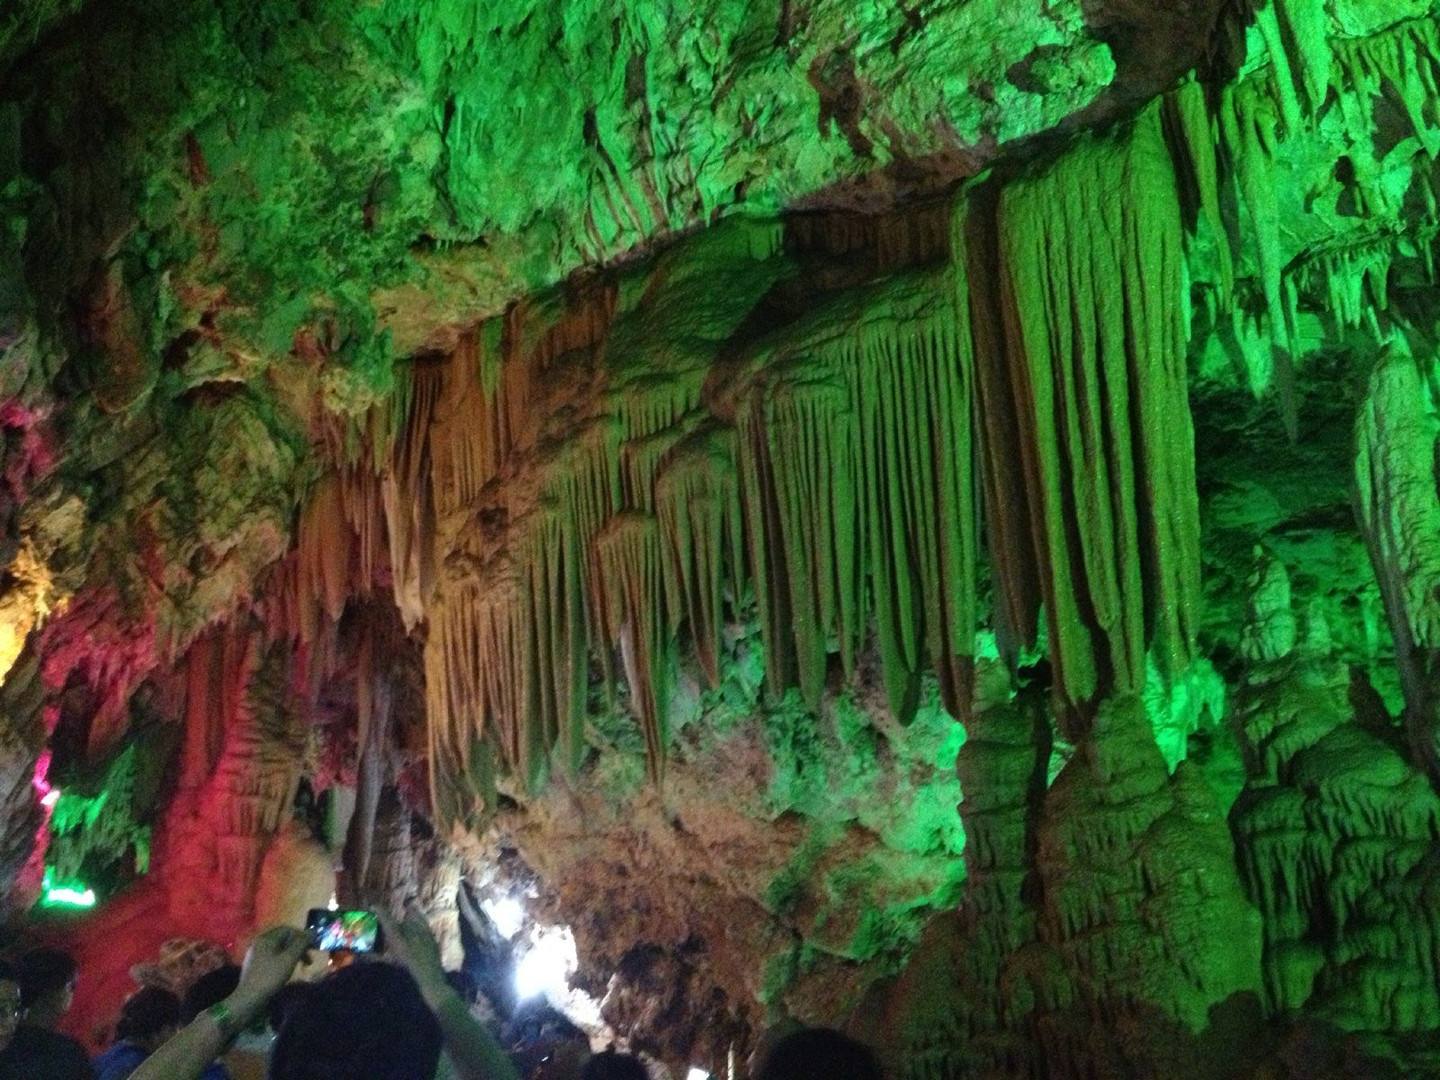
(654,454)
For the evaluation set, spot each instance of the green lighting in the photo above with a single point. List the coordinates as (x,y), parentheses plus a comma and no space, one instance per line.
(70,894)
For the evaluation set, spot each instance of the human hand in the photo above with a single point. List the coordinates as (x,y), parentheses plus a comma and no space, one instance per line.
(411,944)
(269,963)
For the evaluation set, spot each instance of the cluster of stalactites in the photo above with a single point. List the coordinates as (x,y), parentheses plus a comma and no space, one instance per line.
(1076,278)
(552,516)
(1397,437)
(859,505)
(1314,93)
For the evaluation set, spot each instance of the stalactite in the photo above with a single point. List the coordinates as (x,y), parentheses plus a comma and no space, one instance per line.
(1354,281)
(1400,63)
(406,493)
(554,590)
(94,640)
(218,667)
(1091,274)
(373,701)
(460,752)
(798,456)
(1002,452)
(318,577)
(480,687)
(506,659)
(583,478)
(363,503)
(1303,24)
(852,483)
(911,385)
(628,595)
(1250,132)
(650,410)
(464,445)
(1258,115)
(582,323)
(1397,435)
(697,499)
(1187,117)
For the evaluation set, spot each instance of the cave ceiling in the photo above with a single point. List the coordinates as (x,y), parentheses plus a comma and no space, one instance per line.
(257,210)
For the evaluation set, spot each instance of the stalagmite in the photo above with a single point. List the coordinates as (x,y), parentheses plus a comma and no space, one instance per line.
(23,757)
(218,668)
(1334,836)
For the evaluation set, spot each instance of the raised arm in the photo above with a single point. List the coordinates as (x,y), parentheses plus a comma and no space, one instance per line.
(472,1050)
(268,966)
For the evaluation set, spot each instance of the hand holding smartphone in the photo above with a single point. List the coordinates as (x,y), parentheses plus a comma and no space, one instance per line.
(352,931)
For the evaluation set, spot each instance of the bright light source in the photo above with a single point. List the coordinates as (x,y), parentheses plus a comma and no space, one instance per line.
(71,894)
(546,966)
(697,1073)
(506,912)
(50,798)
(67,897)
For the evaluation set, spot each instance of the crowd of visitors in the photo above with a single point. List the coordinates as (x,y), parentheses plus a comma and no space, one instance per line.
(404,1018)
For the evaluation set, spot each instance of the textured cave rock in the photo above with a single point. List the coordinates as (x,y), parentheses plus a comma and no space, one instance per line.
(818,843)
(920,518)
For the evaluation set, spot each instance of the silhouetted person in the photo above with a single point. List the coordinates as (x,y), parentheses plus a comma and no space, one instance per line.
(820,1054)
(464,984)
(286,1000)
(9,1004)
(147,1019)
(612,1065)
(367,1022)
(210,989)
(371,1021)
(47,987)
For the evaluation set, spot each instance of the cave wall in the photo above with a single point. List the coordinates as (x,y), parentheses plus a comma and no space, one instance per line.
(956,557)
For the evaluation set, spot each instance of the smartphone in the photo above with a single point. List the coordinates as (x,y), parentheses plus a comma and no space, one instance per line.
(354,931)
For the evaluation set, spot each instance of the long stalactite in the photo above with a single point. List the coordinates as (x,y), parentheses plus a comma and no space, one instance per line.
(834,471)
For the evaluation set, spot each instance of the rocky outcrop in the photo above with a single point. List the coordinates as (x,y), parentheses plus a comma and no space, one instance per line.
(1084,941)
(1336,833)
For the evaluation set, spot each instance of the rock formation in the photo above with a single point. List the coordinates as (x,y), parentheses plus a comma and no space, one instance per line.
(914,517)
